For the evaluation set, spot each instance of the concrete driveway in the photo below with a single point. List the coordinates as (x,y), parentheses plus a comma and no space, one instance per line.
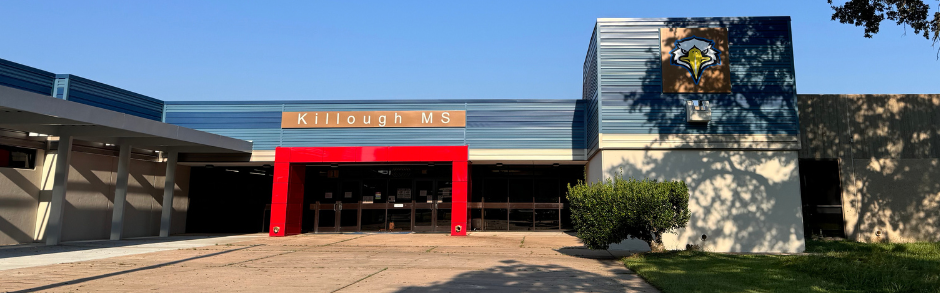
(491,262)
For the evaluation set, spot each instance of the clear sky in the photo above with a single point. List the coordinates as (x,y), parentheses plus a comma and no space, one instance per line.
(262,50)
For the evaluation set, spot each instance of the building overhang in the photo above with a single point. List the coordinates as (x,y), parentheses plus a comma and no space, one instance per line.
(31,112)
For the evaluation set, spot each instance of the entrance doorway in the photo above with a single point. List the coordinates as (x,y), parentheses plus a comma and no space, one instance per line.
(377,198)
(821,193)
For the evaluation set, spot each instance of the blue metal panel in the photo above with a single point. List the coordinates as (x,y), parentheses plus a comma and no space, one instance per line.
(497,124)
(526,125)
(590,94)
(26,78)
(763,99)
(92,93)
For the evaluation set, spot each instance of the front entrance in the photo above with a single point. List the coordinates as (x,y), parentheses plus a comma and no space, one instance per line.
(377,198)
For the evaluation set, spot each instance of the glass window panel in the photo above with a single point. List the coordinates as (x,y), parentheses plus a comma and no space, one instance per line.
(520,190)
(495,219)
(546,220)
(521,219)
(495,190)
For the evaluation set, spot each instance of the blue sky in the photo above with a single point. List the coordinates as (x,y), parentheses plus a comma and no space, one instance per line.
(285,50)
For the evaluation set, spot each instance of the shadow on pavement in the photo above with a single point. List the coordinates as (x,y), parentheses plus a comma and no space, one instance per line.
(33,250)
(92,278)
(518,277)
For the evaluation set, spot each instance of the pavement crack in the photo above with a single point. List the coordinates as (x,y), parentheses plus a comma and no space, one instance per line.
(360,280)
(328,244)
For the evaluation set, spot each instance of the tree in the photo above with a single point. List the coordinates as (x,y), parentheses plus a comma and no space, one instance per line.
(618,209)
(870,14)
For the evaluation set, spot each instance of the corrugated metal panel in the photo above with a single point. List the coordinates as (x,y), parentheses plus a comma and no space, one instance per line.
(763,99)
(590,94)
(526,125)
(26,78)
(93,93)
(491,124)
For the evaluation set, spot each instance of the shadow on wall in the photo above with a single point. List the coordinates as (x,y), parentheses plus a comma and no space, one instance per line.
(900,199)
(743,199)
(514,276)
(888,147)
(19,196)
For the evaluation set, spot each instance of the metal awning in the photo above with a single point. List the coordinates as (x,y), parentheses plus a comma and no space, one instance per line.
(31,112)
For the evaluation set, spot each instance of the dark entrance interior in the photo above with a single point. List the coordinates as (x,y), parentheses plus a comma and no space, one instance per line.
(821,193)
(377,198)
(521,197)
(229,199)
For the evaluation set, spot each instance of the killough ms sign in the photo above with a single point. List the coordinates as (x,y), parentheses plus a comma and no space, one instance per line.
(363,119)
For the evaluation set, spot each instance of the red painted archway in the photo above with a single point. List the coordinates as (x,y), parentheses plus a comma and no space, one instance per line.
(290,162)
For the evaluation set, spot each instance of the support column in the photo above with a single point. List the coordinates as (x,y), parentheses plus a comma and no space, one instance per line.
(287,195)
(59,186)
(458,220)
(169,185)
(120,192)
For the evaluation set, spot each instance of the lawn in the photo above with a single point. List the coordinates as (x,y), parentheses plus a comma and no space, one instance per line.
(831,266)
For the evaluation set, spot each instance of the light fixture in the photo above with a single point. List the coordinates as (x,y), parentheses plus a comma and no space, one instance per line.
(232,170)
(210,166)
(556,165)
(266,166)
(499,164)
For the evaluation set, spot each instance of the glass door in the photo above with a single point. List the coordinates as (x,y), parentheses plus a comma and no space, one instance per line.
(400,206)
(373,210)
(424,203)
(443,205)
(326,207)
(349,198)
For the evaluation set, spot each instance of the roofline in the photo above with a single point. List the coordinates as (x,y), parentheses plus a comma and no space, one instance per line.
(731,18)
(118,125)
(411,101)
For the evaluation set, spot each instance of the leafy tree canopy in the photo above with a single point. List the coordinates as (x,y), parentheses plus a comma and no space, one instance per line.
(870,13)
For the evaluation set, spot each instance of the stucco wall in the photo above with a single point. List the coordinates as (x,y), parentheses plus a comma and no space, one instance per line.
(899,198)
(744,201)
(595,169)
(90,196)
(19,196)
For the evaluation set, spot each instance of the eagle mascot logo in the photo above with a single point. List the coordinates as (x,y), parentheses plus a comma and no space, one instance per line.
(695,54)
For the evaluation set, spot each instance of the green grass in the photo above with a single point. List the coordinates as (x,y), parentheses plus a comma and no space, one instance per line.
(831,266)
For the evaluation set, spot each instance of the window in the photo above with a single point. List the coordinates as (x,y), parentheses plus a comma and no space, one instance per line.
(14,157)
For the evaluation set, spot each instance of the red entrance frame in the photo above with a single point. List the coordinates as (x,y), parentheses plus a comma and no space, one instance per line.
(287,194)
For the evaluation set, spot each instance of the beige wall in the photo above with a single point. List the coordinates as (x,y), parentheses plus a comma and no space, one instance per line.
(594,169)
(89,200)
(19,196)
(888,147)
(744,201)
(899,198)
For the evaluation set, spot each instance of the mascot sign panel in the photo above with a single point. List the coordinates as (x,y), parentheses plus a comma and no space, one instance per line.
(695,60)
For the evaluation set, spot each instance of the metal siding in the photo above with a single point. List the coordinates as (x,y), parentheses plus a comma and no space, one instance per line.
(590,94)
(491,124)
(526,125)
(26,78)
(100,95)
(763,98)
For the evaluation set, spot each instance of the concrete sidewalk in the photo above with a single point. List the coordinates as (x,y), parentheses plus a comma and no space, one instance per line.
(481,262)
(34,255)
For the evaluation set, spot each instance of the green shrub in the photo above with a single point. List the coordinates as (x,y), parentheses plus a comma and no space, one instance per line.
(617,209)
